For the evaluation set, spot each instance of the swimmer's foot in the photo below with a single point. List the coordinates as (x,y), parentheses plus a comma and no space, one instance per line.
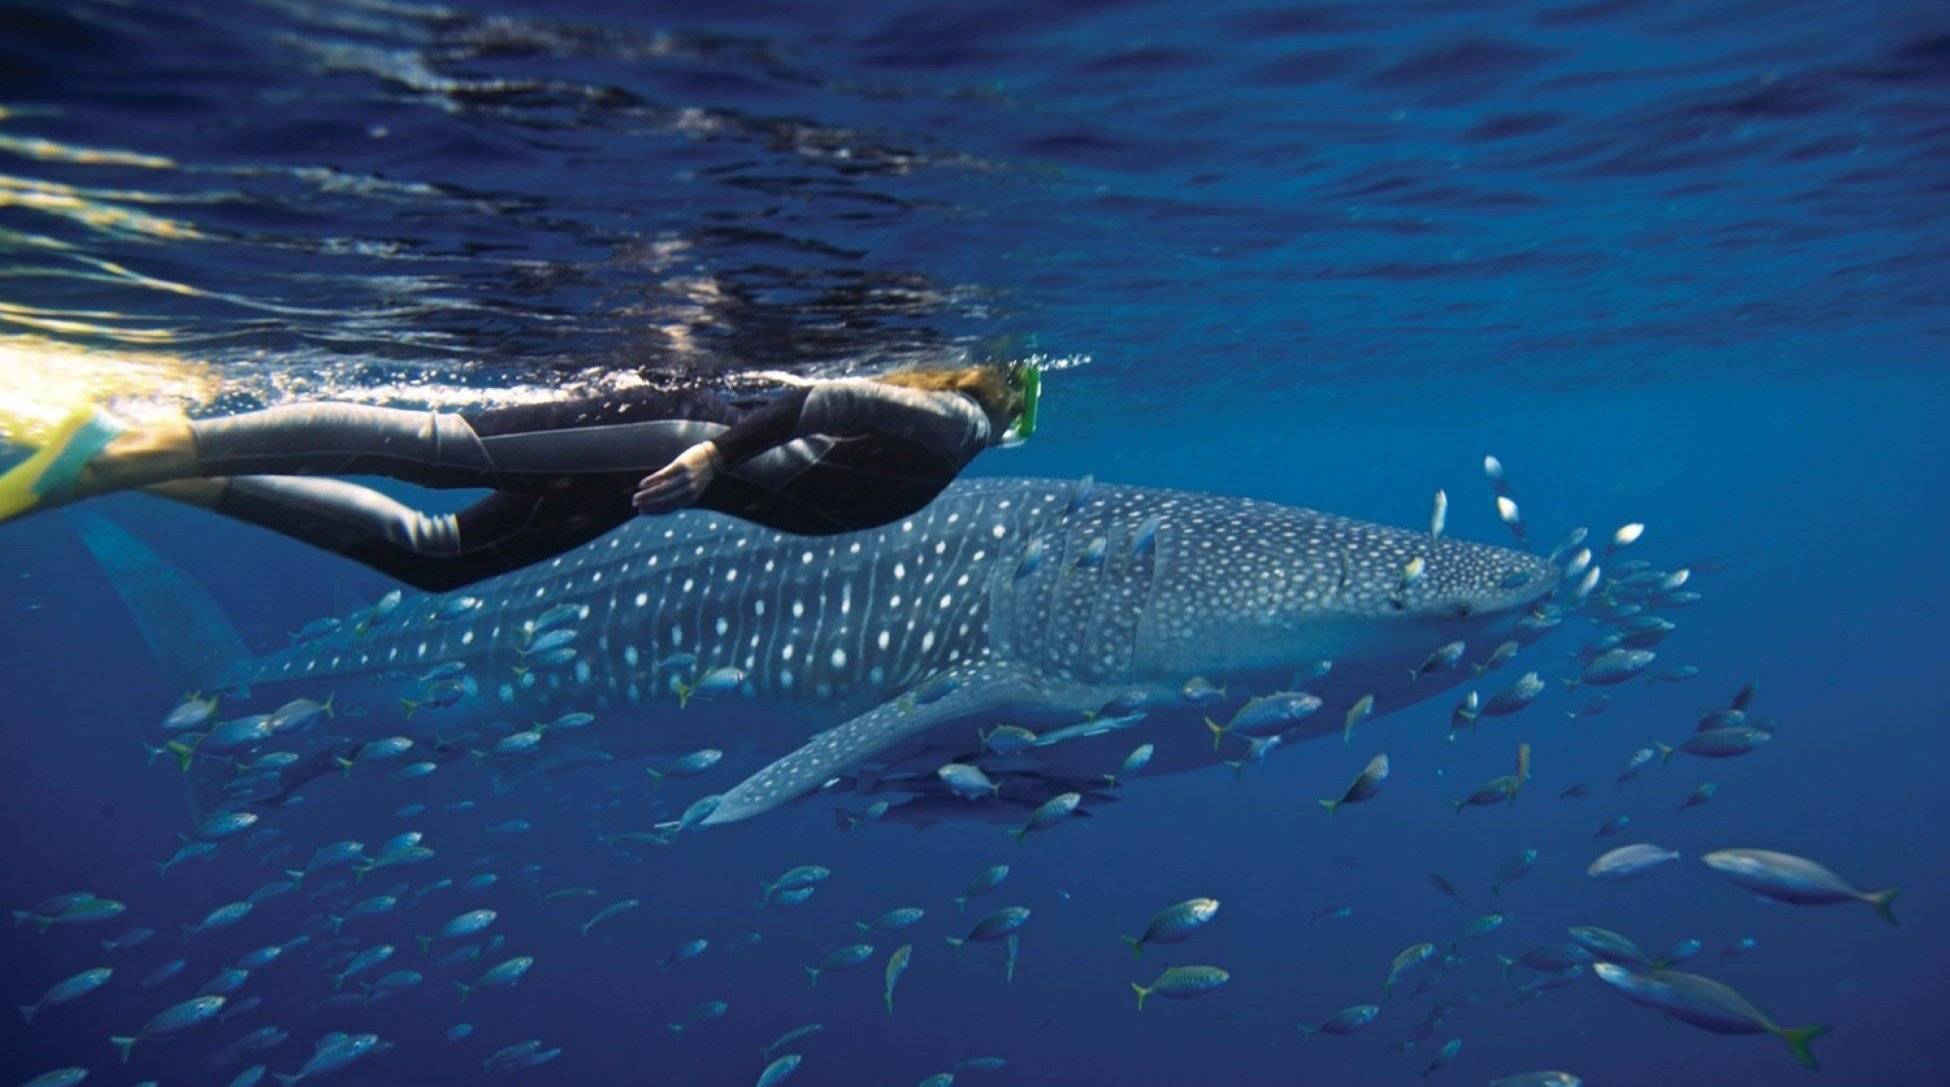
(48,477)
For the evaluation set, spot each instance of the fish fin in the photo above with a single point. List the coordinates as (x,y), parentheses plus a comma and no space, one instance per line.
(327,706)
(288,1081)
(813,973)
(1665,752)
(1307,1031)
(956,942)
(185,628)
(426,943)
(981,687)
(1111,780)
(1880,900)
(465,989)
(27,1012)
(1137,946)
(124,1043)
(961,906)
(410,707)
(1141,992)
(50,474)
(1218,732)
(1798,1040)
(1330,805)
(1507,963)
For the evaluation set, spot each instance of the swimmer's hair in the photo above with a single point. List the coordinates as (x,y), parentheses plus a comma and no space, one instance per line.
(987,383)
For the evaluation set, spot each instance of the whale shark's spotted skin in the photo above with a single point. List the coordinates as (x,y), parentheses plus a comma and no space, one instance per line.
(857,624)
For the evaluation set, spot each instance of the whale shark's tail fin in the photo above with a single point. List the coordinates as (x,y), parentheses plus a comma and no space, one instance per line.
(186,630)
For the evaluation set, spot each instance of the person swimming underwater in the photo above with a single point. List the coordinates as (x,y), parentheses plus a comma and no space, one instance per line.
(824,456)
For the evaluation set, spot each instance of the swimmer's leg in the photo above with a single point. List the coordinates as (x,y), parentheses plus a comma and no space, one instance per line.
(435,552)
(94,453)
(50,476)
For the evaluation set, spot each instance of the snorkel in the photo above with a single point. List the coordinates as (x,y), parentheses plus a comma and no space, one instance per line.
(1028,380)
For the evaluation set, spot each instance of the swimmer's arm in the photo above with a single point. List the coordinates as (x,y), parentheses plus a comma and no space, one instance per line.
(946,423)
(943,422)
(685,479)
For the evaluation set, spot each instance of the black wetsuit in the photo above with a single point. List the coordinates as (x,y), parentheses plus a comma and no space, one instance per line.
(830,457)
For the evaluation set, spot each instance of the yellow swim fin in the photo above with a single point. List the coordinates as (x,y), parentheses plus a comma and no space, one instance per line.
(51,472)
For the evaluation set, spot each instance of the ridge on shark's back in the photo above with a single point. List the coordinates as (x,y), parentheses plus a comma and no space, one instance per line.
(1020,600)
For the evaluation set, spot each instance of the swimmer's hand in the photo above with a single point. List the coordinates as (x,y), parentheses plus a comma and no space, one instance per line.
(679,483)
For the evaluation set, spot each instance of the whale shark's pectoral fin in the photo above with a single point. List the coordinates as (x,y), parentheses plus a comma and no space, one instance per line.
(945,697)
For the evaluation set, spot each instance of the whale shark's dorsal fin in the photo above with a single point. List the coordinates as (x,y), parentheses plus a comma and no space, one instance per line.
(960,692)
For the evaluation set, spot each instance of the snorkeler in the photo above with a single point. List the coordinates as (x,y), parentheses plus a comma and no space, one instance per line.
(825,456)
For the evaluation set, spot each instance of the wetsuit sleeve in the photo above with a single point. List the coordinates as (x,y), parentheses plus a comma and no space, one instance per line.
(769,427)
(946,423)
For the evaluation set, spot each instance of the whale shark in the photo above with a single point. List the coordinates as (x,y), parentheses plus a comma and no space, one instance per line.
(862,663)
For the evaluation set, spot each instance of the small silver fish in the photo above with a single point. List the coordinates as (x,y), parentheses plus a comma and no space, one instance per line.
(1182,983)
(896,966)
(1365,785)
(844,958)
(717,681)
(1797,881)
(1706,1004)
(1507,512)
(967,782)
(1048,814)
(1362,709)
(1630,861)
(1175,924)
(1137,760)
(1498,657)
(980,885)
(1441,659)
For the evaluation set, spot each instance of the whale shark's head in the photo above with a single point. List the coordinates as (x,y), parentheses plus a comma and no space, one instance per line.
(1274,585)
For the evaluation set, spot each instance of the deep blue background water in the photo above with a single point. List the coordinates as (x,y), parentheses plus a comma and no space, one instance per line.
(1678,263)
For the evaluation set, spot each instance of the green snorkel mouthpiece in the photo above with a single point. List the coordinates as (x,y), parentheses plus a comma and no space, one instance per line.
(1029,381)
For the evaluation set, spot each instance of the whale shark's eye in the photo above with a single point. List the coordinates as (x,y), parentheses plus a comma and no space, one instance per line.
(1462,611)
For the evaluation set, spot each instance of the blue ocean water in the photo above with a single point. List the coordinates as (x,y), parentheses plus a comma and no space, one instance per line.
(1679,264)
